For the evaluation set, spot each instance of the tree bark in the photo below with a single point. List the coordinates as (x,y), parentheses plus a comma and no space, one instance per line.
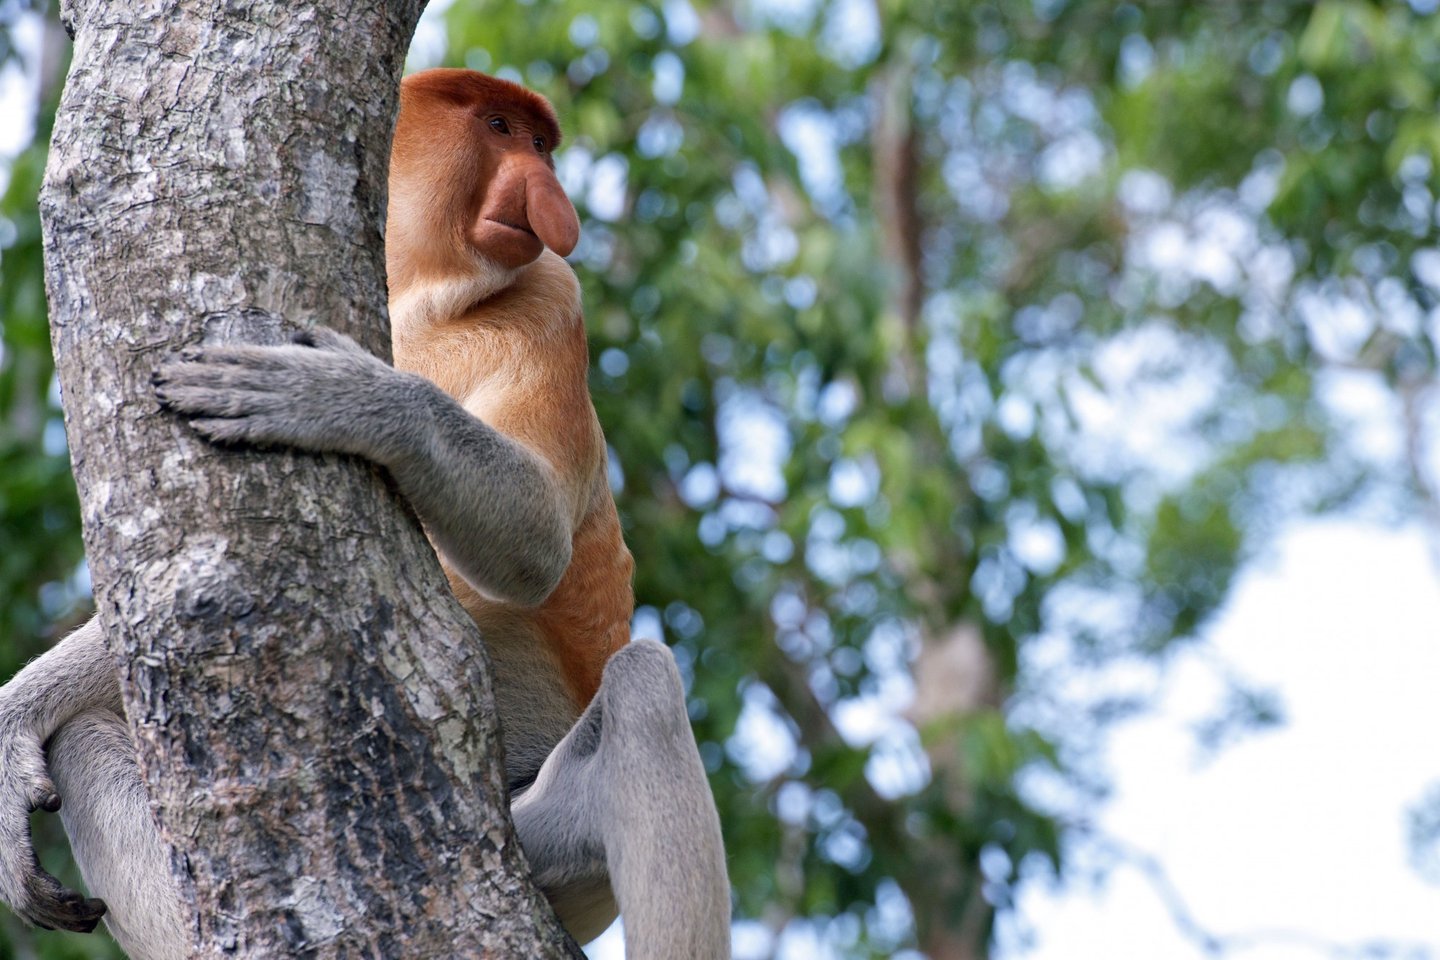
(312,707)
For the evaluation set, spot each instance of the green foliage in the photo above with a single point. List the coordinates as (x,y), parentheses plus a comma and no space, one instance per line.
(39,519)
(918,456)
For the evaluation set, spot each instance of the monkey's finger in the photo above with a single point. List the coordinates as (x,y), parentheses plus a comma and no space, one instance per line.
(73,912)
(251,430)
(236,355)
(203,374)
(218,430)
(41,793)
(51,905)
(223,353)
(216,401)
(174,380)
(324,338)
(213,366)
(295,371)
(23,767)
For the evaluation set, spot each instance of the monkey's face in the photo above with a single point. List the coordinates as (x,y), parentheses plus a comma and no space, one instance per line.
(471,176)
(521,205)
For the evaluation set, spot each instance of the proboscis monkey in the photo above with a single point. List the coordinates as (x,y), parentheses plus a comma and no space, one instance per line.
(486,425)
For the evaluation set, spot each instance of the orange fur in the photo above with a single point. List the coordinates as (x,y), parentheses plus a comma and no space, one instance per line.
(507,342)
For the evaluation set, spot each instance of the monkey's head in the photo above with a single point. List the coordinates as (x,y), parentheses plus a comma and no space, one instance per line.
(472,179)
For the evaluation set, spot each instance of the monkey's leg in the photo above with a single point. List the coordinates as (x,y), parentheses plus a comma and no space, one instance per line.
(626,788)
(114,838)
(662,833)
(558,820)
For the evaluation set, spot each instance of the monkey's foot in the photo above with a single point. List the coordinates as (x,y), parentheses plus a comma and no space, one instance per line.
(25,887)
(47,903)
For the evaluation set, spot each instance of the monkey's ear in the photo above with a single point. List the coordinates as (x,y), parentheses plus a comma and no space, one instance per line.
(551,214)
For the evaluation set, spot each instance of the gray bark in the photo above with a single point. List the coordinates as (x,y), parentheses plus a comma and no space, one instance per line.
(312,707)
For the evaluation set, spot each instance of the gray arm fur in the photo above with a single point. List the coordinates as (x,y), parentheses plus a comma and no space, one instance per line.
(75,676)
(491,507)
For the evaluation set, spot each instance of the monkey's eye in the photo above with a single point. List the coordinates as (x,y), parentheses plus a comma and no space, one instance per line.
(499,125)
(539,143)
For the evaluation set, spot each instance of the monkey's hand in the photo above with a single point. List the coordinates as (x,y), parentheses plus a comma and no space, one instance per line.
(25,787)
(491,506)
(323,393)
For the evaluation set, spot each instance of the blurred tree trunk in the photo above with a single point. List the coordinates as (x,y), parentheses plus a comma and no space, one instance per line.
(312,707)
(954,672)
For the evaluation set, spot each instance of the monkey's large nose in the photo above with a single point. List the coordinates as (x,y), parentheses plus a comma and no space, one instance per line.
(550,212)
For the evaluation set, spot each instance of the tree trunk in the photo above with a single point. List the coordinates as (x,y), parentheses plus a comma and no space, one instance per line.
(954,673)
(312,707)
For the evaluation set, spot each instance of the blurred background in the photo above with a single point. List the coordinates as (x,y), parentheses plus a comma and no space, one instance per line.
(1024,418)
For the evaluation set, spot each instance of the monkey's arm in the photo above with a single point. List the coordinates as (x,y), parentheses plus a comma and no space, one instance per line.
(74,676)
(493,507)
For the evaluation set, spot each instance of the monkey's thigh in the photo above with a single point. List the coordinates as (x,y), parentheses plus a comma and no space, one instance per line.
(114,838)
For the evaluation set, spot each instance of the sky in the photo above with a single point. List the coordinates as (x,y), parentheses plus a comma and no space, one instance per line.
(1291,840)
(17,91)
(1296,836)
